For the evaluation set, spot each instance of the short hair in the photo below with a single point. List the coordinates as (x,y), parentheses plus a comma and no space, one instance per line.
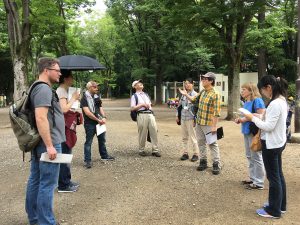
(190,80)
(91,83)
(64,74)
(45,63)
(252,88)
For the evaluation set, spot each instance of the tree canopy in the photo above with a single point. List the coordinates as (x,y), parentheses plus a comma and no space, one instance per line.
(157,40)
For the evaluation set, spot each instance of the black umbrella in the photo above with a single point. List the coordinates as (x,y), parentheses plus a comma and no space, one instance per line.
(79,63)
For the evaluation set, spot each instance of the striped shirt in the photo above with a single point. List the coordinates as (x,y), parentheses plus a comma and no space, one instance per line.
(209,107)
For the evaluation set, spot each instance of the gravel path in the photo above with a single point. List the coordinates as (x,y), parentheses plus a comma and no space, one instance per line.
(134,190)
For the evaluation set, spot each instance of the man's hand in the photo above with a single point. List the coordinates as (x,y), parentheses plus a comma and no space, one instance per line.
(183,92)
(147,106)
(101,122)
(52,153)
(214,129)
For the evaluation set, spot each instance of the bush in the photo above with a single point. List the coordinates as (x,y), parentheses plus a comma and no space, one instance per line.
(292,90)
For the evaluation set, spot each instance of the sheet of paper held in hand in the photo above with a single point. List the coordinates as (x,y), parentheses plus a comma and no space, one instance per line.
(76,104)
(244,111)
(100,129)
(60,158)
(209,136)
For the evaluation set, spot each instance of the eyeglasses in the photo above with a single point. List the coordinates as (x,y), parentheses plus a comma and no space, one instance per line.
(205,78)
(58,71)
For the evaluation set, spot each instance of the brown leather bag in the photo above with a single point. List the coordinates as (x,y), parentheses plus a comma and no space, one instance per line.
(256,142)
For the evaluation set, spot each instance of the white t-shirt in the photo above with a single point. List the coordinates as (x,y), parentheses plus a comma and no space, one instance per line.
(274,126)
(62,93)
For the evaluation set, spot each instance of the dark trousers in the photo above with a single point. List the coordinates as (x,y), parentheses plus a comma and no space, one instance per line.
(277,186)
(64,179)
(90,131)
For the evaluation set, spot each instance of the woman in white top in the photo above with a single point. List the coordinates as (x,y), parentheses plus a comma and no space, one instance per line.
(273,139)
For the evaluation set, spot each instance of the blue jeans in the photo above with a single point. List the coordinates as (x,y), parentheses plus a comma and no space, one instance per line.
(90,131)
(40,188)
(64,179)
(277,186)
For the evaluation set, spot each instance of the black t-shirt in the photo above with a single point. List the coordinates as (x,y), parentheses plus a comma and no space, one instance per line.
(98,104)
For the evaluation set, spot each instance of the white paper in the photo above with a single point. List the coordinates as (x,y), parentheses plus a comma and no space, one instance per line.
(100,129)
(244,111)
(211,138)
(71,90)
(60,158)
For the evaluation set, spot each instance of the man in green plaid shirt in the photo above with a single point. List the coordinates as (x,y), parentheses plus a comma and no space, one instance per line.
(206,122)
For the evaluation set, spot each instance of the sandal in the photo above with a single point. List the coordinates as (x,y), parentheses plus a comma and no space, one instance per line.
(254,187)
(245,182)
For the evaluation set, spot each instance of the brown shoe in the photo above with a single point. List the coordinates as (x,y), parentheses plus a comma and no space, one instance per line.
(156,154)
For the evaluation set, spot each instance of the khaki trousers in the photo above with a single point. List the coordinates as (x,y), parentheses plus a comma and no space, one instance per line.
(214,148)
(189,133)
(145,123)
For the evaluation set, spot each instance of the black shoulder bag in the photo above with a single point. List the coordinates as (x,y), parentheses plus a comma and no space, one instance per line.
(252,127)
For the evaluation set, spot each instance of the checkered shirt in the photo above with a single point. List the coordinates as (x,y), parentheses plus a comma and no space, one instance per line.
(209,107)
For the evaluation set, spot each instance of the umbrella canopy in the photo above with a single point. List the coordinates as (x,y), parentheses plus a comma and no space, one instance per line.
(79,63)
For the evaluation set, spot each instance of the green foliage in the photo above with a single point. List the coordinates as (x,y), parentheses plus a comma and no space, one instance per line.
(292,90)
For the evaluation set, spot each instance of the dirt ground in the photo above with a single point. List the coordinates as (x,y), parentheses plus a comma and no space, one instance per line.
(134,190)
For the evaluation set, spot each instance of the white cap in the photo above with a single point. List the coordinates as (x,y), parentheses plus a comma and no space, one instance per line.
(135,82)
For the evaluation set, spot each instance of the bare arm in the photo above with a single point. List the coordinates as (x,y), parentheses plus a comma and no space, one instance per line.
(65,105)
(43,127)
(89,114)
(191,98)
(137,107)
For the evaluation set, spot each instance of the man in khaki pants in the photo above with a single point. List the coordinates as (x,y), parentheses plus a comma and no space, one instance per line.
(141,103)
(188,122)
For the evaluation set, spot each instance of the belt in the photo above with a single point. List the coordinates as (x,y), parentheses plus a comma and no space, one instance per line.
(144,112)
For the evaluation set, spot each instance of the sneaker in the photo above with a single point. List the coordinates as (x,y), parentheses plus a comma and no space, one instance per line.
(142,153)
(263,213)
(156,154)
(185,156)
(253,187)
(108,158)
(266,204)
(74,184)
(216,168)
(67,190)
(203,165)
(88,165)
(194,158)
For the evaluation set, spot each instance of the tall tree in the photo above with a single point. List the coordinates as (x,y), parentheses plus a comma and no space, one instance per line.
(225,24)
(262,52)
(19,40)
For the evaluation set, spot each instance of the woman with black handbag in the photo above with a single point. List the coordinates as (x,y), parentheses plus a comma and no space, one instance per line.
(273,143)
(254,104)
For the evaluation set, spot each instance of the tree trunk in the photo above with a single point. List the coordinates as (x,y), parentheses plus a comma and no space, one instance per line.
(297,103)
(159,79)
(261,59)
(19,40)
(233,88)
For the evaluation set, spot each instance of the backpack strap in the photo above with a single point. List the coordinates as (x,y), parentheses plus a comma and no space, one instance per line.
(52,99)
(136,98)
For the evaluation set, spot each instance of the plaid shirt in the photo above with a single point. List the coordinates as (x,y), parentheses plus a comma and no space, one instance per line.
(209,107)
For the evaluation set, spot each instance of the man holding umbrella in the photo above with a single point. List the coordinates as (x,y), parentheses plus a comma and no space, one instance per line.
(93,114)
